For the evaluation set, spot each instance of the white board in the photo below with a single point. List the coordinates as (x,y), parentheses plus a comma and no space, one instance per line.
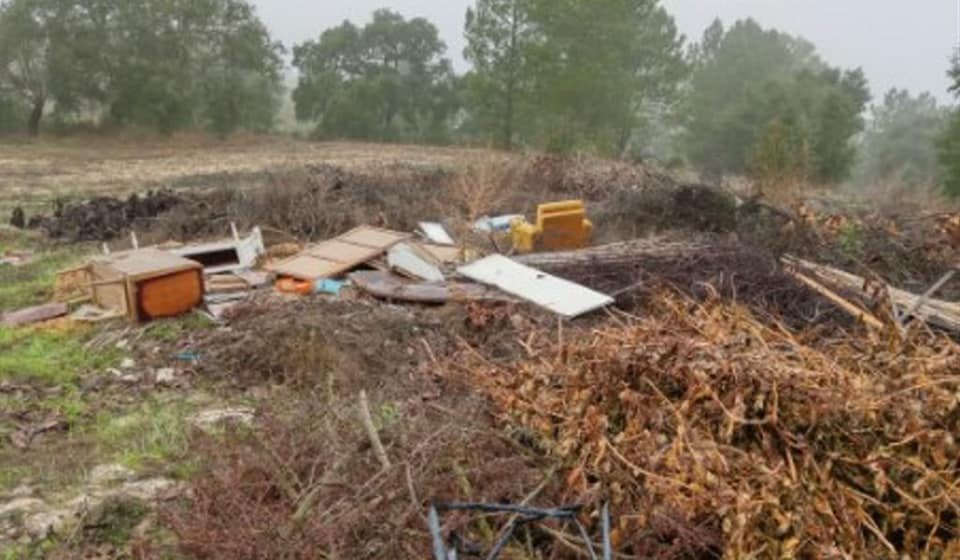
(403,259)
(436,233)
(563,297)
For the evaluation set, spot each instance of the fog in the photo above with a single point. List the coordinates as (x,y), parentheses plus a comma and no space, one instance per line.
(898,43)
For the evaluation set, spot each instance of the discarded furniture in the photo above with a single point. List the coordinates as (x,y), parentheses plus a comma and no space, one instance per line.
(146,284)
(386,286)
(337,256)
(556,294)
(403,258)
(32,315)
(560,226)
(434,232)
(231,255)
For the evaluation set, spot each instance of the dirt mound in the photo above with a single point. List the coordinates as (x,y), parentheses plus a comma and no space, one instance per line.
(307,480)
(104,218)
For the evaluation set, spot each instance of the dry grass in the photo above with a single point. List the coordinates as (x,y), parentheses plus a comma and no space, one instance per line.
(32,173)
(749,441)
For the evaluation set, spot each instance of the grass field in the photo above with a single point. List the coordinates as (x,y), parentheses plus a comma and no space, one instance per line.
(33,173)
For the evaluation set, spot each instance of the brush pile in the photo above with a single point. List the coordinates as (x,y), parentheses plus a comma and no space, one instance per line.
(714,434)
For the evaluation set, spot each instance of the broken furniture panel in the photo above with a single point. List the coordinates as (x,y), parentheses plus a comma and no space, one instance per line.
(383,285)
(147,284)
(337,256)
(32,315)
(436,233)
(231,255)
(563,297)
(404,259)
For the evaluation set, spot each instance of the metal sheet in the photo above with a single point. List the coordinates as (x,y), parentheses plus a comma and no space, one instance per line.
(563,297)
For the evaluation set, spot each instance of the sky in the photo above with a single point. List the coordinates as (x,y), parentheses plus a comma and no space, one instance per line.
(898,43)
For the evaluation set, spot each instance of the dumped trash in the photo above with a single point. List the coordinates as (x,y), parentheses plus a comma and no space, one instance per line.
(434,232)
(390,287)
(562,297)
(231,255)
(32,315)
(337,256)
(16,258)
(520,516)
(403,258)
(487,224)
(560,226)
(146,284)
(943,314)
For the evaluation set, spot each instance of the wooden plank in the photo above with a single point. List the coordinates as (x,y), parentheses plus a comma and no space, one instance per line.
(35,314)
(370,236)
(384,285)
(560,296)
(306,267)
(340,251)
(148,263)
(438,253)
(334,257)
(856,312)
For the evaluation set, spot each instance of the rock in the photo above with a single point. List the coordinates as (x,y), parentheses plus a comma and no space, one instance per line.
(166,376)
(46,523)
(122,344)
(130,379)
(21,506)
(22,491)
(149,490)
(103,475)
(210,419)
(127,363)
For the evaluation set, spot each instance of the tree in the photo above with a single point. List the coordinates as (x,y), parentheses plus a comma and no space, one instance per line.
(900,142)
(949,141)
(386,81)
(748,81)
(571,74)
(498,35)
(179,63)
(599,65)
(36,63)
(167,64)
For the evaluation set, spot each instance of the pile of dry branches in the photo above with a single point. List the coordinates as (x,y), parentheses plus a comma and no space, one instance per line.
(736,429)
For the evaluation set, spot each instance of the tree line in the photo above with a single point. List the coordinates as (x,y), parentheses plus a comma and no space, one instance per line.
(612,77)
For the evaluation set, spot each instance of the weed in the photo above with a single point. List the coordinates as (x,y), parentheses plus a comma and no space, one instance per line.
(32,283)
(170,330)
(48,357)
(155,434)
(116,519)
(851,240)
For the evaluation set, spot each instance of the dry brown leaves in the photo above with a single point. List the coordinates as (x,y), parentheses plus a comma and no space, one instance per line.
(702,414)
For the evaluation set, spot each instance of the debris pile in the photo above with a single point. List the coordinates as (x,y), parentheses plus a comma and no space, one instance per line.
(714,434)
(104,218)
